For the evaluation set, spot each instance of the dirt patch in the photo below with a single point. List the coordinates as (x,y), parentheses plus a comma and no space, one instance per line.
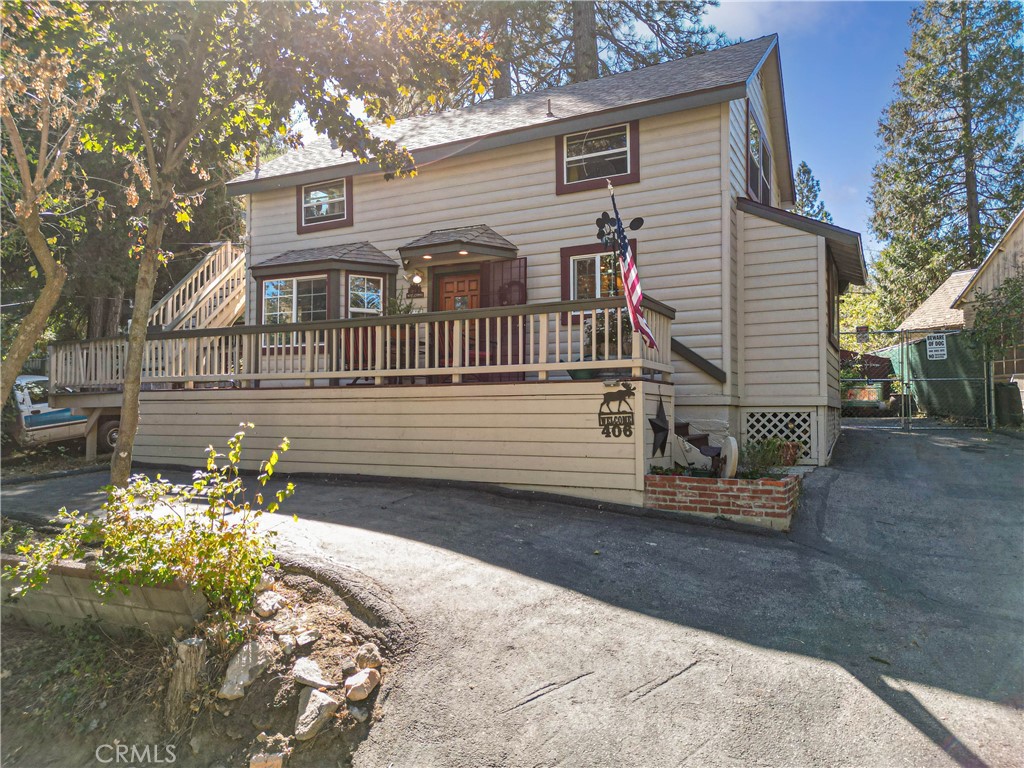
(65,695)
(23,463)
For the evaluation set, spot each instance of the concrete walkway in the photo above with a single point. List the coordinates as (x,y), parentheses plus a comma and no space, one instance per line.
(886,630)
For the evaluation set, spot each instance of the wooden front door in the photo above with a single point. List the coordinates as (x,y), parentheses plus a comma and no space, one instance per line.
(460,291)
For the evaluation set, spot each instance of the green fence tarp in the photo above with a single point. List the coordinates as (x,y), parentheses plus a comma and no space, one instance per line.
(961,396)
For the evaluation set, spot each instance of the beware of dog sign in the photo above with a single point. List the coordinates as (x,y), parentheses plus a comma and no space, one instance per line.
(936,346)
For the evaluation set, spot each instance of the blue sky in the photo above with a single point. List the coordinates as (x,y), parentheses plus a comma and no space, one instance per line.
(839,63)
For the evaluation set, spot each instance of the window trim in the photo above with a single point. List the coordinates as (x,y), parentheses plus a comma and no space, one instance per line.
(566,255)
(302,228)
(287,347)
(832,293)
(347,278)
(563,187)
(765,150)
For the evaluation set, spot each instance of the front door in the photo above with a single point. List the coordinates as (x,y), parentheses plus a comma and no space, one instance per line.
(460,291)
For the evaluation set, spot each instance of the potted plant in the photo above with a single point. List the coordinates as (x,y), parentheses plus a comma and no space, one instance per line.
(594,331)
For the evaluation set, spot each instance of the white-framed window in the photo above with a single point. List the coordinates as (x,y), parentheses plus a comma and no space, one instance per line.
(759,161)
(597,154)
(594,276)
(365,295)
(324,203)
(294,300)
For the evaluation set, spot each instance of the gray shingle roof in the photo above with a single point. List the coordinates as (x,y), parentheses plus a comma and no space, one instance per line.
(349,253)
(937,311)
(477,234)
(724,67)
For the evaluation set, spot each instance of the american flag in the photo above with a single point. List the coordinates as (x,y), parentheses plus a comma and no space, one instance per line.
(631,279)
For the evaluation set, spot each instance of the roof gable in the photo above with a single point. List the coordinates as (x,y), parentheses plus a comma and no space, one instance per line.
(713,77)
(993,254)
(936,311)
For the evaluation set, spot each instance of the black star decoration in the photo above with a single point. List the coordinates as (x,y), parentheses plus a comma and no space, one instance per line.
(660,426)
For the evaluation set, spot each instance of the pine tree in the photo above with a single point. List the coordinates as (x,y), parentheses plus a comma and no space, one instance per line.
(808,189)
(546,44)
(951,175)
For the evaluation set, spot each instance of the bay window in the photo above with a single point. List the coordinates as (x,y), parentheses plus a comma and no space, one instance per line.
(365,296)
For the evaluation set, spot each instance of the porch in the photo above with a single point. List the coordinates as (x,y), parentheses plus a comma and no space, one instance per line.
(568,340)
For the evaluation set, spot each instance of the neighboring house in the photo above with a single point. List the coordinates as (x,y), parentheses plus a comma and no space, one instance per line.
(494,240)
(1006,259)
(937,312)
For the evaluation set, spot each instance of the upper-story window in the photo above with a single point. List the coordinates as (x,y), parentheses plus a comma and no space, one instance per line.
(759,161)
(365,295)
(587,158)
(324,206)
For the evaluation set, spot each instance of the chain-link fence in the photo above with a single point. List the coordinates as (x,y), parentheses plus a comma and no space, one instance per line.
(914,379)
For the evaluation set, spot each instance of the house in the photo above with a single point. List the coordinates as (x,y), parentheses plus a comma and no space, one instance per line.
(937,313)
(517,302)
(1005,260)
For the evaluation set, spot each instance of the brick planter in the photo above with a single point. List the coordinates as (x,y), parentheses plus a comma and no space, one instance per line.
(768,503)
(69,597)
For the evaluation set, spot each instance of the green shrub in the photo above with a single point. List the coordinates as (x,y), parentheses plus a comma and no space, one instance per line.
(762,459)
(206,534)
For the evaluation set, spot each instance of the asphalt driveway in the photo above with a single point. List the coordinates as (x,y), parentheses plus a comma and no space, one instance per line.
(886,630)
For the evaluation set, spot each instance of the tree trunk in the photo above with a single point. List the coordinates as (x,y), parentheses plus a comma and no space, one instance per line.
(97,313)
(974,234)
(112,321)
(502,85)
(32,327)
(184,680)
(121,463)
(584,40)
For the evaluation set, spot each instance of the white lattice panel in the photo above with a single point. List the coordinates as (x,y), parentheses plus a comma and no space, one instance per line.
(791,426)
(833,428)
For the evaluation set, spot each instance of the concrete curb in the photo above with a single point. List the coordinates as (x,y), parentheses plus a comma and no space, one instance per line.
(53,475)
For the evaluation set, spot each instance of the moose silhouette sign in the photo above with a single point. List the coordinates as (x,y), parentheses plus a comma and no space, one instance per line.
(615,415)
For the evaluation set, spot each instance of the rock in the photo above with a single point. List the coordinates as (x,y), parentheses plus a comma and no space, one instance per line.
(308,637)
(287,643)
(287,623)
(368,656)
(268,604)
(361,684)
(262,719)
(266,582)
(307,672)
(251,659)
(359,713)
(196,744)
(264,760)
(346,640)
(315,709)
(348,666)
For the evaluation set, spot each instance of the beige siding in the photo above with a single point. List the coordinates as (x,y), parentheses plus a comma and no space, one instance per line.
(832,376)
(782,321)
(513,191)
(758,101)
(538,436)
(1007,261)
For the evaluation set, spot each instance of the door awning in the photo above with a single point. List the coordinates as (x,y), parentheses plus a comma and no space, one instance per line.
(457,244)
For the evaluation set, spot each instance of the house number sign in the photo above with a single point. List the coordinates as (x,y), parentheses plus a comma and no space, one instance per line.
(615,415)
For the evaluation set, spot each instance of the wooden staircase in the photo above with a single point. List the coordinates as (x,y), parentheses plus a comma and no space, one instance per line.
(211,295)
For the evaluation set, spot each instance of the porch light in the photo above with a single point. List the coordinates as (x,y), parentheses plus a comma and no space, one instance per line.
(463,253)
(427,256)
(417,278)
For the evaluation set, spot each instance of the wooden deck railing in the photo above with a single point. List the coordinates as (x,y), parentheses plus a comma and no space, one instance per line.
(532,340)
